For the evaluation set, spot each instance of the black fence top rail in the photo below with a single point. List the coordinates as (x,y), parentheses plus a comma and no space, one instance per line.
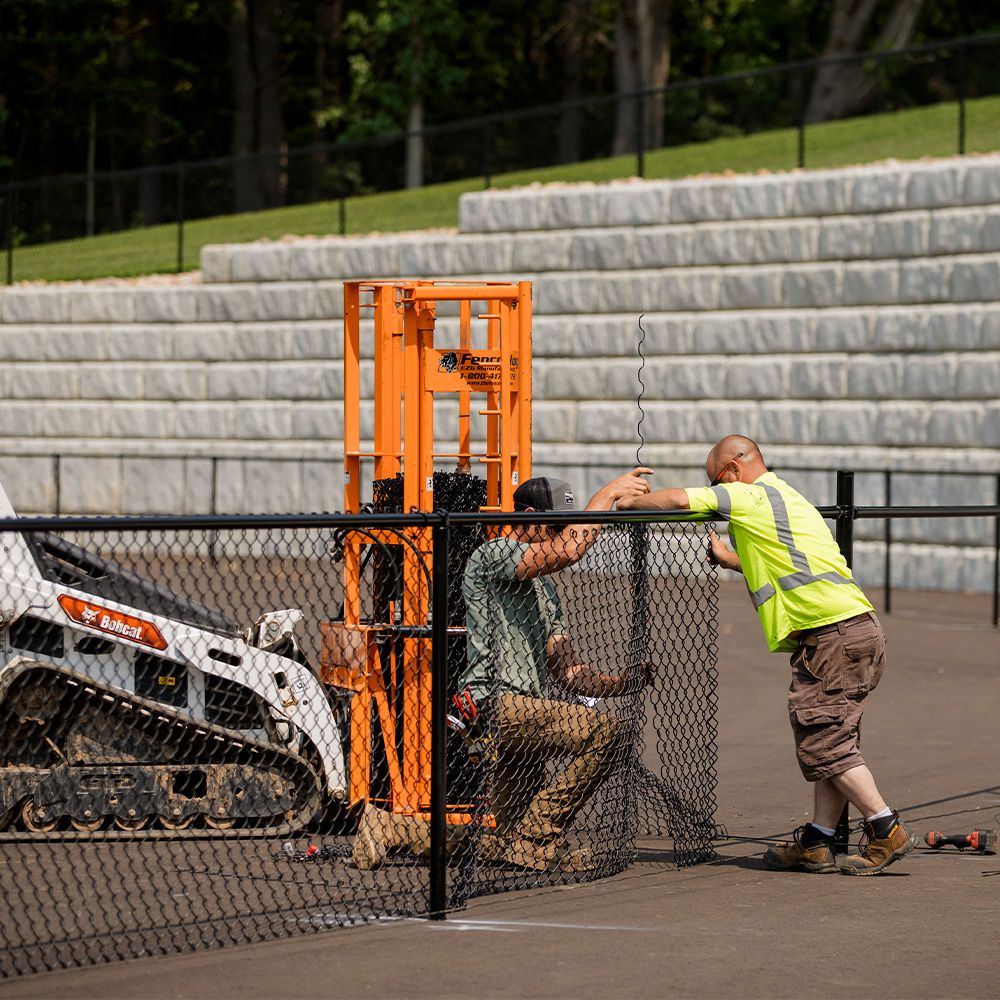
(972,510)
(218,522)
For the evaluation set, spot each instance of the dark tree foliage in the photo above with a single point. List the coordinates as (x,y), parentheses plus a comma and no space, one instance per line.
(108,85)
(141,80)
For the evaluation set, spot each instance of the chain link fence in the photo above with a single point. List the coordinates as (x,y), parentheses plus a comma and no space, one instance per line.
(157,219)
(196,750)
(38,481)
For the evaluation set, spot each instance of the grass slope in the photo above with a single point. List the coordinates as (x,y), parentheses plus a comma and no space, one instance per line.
(902,135)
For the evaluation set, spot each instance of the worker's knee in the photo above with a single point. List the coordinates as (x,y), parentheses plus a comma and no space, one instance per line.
(608,732)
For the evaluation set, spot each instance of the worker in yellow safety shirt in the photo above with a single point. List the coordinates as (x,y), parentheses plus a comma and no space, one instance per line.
(808,606)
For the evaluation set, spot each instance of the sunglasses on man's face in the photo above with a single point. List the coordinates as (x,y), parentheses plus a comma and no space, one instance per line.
(722,471)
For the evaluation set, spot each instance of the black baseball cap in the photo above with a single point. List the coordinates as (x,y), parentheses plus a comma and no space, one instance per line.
(543,493)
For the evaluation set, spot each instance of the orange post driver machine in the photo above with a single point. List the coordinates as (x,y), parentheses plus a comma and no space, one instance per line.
(479,376)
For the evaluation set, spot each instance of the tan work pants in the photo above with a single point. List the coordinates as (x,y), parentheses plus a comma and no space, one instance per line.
(833,671)
(531,731)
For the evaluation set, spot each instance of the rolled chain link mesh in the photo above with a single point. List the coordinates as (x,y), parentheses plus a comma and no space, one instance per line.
(595,705)
(176,758)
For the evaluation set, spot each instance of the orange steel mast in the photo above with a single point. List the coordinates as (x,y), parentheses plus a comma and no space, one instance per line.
(388,663)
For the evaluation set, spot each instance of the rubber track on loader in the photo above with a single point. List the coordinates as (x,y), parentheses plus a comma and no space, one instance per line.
(60,697)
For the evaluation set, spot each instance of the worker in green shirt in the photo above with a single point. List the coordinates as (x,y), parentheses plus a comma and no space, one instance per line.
(528,686)
(521,692)
(808,606)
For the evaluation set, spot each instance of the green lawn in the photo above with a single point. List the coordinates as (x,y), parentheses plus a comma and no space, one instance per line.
(902,135)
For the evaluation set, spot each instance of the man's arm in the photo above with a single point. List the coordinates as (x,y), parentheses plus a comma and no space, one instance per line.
(586,680)
(568,546)
(721,554)
(670,498)
(673,498)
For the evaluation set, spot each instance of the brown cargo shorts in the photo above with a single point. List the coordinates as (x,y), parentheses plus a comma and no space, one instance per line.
(833,671)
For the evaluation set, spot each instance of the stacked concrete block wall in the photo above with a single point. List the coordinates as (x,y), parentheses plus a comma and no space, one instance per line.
(845,318)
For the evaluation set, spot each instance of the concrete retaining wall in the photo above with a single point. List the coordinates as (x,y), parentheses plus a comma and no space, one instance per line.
(845,318)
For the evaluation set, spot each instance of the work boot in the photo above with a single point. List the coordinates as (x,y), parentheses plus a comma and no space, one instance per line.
(492,848)
(552,857)
(795,857)
(373,839)
(574,860)
(381,831)
(531,857)
(877,853)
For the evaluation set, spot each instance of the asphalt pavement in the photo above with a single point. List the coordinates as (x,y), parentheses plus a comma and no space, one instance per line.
(926,928)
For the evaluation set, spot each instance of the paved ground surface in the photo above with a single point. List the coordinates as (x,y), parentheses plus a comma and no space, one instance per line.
(928,928)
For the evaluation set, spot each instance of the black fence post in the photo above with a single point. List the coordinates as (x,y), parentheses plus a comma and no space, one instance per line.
(180,220)
(996,560)
(640,134)
(9,203)
(439,731)
(487,154)
(845,540)
(888,544)
(845,515)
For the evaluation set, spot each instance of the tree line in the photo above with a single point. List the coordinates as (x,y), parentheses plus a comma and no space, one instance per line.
(106,85)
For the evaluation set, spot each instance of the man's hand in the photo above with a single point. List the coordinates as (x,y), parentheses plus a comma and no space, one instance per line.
(671,498)
(584,679)
(720,554)
(635,678)
(640,676)
(624,488)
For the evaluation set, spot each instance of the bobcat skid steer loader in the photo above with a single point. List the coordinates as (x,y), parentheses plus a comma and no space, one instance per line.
(125,706)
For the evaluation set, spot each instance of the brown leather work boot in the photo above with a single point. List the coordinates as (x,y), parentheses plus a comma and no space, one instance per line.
(552,857)
(877,853)
(373,839)
(794,857)
(381,831)
(578,860)
(525,854)
(492,848)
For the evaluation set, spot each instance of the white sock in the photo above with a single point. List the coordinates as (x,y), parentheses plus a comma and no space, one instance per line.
(825,830)
(880,815)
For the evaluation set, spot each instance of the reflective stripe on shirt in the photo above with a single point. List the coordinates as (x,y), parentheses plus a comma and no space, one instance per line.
(795,574)
(798,557)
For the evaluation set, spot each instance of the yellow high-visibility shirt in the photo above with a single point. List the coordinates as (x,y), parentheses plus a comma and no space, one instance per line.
(794,570)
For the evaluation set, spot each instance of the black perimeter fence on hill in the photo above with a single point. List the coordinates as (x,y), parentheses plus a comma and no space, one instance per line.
(34,213)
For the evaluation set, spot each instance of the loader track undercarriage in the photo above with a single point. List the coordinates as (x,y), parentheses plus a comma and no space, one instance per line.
(83,759)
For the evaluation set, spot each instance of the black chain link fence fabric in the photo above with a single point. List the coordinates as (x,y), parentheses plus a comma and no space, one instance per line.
(594,701)
(186,763)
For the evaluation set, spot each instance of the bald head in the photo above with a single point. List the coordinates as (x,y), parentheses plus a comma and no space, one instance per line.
(740,455)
